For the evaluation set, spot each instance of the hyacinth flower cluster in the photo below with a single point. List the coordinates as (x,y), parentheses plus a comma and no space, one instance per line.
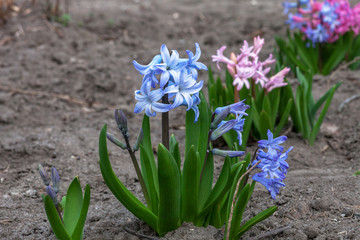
(271,160)
(177,191)
(323,21)
(67,218)
(172,77)
(247,69)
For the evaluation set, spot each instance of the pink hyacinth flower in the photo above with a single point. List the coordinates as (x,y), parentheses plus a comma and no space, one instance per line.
(277,80)
(220,58)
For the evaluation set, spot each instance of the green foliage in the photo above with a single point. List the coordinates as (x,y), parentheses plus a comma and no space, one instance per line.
(322,58)
(181,195)
(305,111)
(75,211)
(64,19)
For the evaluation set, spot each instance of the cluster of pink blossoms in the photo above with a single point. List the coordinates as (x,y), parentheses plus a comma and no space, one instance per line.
(247,66)
(323,21)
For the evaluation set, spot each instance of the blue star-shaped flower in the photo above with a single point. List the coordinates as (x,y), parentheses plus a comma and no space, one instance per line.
(147,99)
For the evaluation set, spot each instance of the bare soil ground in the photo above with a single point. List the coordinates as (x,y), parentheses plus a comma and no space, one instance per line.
(59,85)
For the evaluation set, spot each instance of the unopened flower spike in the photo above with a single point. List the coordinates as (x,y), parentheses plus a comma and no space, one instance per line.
(221,115)
(116,141)
(138,140)
(44,175)
(225,153)
(121,121)
(55,180)
(52,194)
(223,128)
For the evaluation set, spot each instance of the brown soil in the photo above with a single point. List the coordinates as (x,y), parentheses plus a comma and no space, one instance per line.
(59,85)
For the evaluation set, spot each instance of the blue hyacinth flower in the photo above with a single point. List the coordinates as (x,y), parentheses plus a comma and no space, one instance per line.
(272,185)
(147,100)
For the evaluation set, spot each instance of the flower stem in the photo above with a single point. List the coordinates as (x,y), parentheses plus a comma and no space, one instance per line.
(137,169)
(246,174)
(59,213)
(236,95)
(253,93)
(165,123)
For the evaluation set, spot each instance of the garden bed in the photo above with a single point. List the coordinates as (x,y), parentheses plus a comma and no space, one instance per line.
(59,85)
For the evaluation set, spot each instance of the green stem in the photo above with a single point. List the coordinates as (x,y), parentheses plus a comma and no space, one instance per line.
(253,93)
(165,124)
(137,169)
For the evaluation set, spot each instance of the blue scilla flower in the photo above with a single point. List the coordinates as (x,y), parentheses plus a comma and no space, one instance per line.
(292,21)
(272,162)
(272,185)
(271,142)
(329,15)
(147,100)
(317,35)
(289,5)
(182,89)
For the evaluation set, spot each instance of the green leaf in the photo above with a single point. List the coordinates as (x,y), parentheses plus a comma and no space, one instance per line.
(74,201)
(150,178)
(55,221)
(318,104)
(318,123)
(119,190)
(190,186)
(192,131)
(206,180)
(258,218)
(174,150)
(78,231)
(305,53)
(147,145)
(265,124)
(221,186)
(204,125)
(335,58)
(169,192)
(294,59)
(239,208)
(284,117)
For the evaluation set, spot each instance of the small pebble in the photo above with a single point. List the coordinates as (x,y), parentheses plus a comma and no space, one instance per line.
(31,193)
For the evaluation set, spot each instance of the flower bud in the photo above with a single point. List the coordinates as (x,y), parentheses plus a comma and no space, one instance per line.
(222,129)
(225,153)
(121,121)
(55,179)
(115,141)
(50,191)
(44,175)
(220,117)
(138,140)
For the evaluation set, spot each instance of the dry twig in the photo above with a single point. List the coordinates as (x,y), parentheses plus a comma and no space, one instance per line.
(139,234)
(273,232)
(348,100)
